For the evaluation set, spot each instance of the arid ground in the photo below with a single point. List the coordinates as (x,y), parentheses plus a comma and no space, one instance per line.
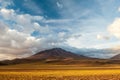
(58,72)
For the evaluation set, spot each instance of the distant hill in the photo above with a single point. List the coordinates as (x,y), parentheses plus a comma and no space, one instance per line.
(61,57)
(56,53)
(116,57)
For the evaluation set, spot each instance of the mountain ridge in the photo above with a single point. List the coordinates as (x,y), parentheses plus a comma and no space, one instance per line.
(51,55)
(116,57)
(61,57)
(58,53)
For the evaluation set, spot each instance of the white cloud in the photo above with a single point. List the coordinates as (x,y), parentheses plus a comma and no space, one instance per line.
(3,28)
(61,34)
(21,20)
(58,20)
(16,44)
(41,29)
(7,14)
(34,8)
(59,5)
(119,9)
(101,37)
(6,56)
(114,28)
(36,26)
(19,44)
(5,3)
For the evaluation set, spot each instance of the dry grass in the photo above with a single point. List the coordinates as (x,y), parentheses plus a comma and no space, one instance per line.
(36,71)
(102,74)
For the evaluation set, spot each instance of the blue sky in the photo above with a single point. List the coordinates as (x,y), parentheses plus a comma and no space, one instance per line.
(29,26)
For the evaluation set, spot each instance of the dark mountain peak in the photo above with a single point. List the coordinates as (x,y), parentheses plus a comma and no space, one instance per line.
(56,53)
(53,50)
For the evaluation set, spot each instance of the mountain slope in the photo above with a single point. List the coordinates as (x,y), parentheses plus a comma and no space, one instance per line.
(116,57)
(56,53)
(52,56)
(59,56)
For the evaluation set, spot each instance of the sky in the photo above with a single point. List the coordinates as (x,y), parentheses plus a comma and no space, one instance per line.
(29,26)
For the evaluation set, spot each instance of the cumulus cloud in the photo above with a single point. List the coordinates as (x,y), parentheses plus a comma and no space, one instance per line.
(14,43)
(17,32)
(18,41)
(7,13)
(19,44)
(5,3)
(40,28)
(114,28)
(21,20)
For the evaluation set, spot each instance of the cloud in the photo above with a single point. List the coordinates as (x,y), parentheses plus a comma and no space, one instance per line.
(13,42)
(6,57)
(20,44)
(7,13)
(5,3)
(41,29)
(20,20)
(119,9)
(59,5)
(3,28)
(101,37)
(58,20)
(114,28)
(16,39)
(23,34)
(34,8)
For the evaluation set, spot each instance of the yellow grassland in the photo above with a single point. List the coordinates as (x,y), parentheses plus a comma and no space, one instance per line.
(90,74)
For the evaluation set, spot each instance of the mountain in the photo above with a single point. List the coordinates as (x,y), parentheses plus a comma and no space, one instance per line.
(61,57)
(116,57)
(94,53)
(56,53)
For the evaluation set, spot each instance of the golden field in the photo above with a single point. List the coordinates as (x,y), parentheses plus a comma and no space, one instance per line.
(37,71)
(80,74)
